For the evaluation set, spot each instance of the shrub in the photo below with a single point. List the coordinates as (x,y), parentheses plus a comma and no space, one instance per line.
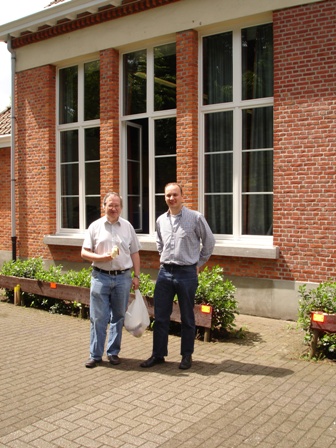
(213,289)
(322,298)
(146,285)
(33,268)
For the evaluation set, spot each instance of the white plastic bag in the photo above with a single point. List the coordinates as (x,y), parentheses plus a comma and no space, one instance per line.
(136,317)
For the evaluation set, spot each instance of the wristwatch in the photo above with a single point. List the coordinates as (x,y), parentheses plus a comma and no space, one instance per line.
(137,276)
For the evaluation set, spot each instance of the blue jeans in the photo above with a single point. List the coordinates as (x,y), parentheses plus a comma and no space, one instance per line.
(172,280)
(109,296)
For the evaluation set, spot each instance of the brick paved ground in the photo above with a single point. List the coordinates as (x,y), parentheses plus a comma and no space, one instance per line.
(240,393)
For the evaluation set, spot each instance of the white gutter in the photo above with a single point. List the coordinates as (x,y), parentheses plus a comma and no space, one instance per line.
(50,16)
(12,155)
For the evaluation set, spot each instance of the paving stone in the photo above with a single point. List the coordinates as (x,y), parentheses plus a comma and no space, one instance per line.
(257,391)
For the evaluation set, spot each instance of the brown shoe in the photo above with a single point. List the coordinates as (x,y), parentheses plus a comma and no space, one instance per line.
(114,359)
(90,363)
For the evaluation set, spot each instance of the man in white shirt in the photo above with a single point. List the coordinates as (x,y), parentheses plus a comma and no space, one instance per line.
(113,248)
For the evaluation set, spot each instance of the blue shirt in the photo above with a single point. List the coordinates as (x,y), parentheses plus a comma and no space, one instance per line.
(179,238)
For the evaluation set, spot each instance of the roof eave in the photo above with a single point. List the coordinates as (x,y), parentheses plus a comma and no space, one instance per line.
(51,15)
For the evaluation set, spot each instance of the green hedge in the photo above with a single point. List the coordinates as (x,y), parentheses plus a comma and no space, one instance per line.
(213,289)
(321,298)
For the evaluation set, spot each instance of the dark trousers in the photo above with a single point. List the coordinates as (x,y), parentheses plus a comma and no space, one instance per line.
(181,281)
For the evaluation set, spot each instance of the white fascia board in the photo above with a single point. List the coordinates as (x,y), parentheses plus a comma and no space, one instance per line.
(50,16)
(5,141)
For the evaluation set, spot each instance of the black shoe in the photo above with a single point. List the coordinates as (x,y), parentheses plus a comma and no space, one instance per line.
(114,359)
(152,361)
(90,363)
(186,362)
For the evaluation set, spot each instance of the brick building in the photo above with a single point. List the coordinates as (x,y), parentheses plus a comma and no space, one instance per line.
(233,99)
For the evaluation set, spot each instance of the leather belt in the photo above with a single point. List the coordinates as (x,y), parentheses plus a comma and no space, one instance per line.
(115,272)
(178,266)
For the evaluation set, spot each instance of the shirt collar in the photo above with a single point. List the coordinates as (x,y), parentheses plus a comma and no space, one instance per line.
(179,214)
(111,223)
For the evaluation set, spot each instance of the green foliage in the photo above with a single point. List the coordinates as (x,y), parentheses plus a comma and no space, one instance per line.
(214,290)
(23,268)
(33,268)
(146,285)
(322,298)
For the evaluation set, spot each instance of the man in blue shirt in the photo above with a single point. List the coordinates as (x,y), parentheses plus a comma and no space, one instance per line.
(180,232)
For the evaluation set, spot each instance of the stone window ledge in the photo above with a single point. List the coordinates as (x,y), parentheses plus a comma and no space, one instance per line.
(222,248)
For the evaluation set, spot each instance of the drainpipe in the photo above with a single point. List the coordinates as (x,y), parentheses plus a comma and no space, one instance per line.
(12,156)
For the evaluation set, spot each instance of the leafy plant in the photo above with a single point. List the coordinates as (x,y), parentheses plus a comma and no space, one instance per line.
(322,298)
(33,268)
(213,289)
(146,285)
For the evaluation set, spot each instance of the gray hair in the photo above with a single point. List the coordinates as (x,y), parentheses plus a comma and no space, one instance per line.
(113,193)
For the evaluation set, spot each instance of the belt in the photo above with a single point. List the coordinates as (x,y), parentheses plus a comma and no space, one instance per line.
(115,272)
(178,266)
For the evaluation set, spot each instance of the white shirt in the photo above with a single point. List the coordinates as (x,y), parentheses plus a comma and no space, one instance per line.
(102,235)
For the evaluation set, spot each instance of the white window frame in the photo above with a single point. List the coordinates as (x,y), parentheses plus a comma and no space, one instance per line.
(80,125)
(237,105)
(151,115)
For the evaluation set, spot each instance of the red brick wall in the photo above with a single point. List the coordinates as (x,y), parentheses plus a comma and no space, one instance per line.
(35,160)
(187,115)
(5,205)
(109,121)
(305,135)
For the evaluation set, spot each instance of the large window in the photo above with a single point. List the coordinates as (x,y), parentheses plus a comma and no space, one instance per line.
(237,117)
(149,132)
(78,143)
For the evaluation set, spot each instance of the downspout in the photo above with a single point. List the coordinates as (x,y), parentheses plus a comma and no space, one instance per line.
(12,156)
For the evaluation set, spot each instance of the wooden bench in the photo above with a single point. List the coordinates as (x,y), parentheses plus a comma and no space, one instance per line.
(320,323)
(203,313)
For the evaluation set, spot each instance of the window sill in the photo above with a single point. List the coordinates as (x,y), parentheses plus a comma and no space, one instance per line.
(222,248)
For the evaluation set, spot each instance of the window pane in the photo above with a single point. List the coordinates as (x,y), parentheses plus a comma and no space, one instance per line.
(68,95)
(257,129)
(165,171)
(165,77)
(257,214)
(257,62)
(92,178)
(134,212)
(218,212)
(69,146)
(160,206)
(133,142)
(165,136)
(217,68)
(92,209)
(69,175)
(91,90)
(70,213)
(165,153)
(133,173)
(135,89)
(92,142)
(218,132)
(258,171)
(218,173)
